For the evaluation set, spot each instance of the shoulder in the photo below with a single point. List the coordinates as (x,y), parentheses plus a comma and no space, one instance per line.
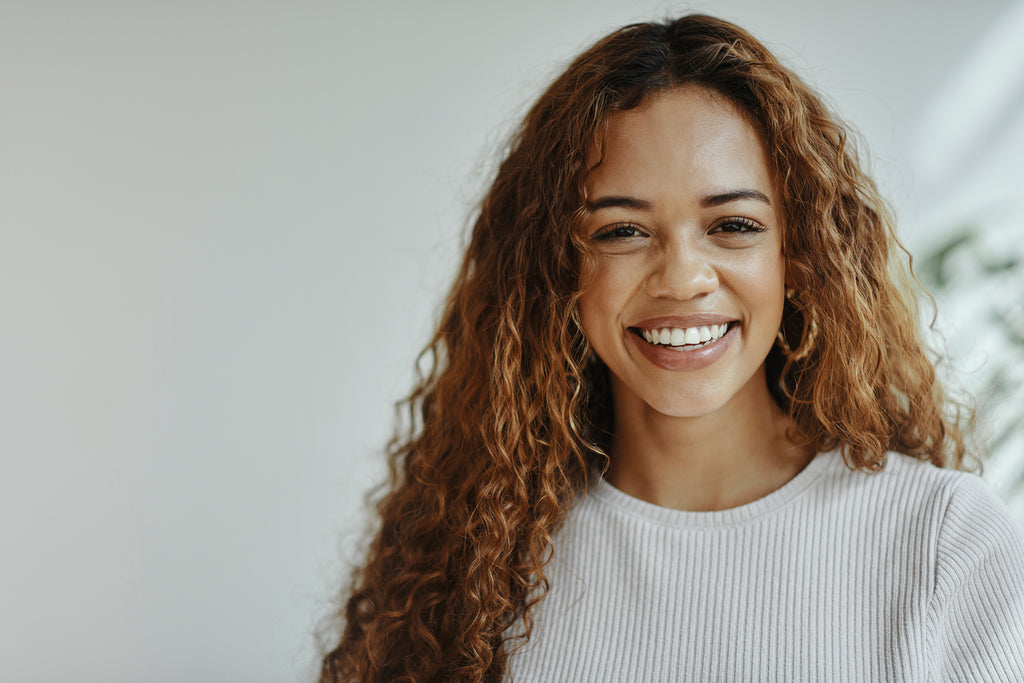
(905,488)
(976,609)
(977,533)
(906,477)
(955,516)
(960,507)
(967,512)
(903,470)
(970,554)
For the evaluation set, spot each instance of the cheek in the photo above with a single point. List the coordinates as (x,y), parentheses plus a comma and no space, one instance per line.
(759,282)
(594,312)
(766,280)
(604,299)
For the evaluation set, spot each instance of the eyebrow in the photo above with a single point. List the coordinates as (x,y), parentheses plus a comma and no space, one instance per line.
(625,202)
(734,196)
(619,202)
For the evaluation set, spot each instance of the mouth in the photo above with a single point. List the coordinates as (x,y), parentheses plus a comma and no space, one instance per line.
(684,338)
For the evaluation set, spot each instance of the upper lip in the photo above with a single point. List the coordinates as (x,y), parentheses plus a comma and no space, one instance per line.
(683,321)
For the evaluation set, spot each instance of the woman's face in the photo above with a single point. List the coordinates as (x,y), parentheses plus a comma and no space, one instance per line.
(687,282)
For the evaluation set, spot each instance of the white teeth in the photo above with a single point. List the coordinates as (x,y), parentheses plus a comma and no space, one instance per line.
(690,336)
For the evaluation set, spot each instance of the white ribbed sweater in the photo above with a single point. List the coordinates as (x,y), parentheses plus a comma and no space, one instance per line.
(911,574)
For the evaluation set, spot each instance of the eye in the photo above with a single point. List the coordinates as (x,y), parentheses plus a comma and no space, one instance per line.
(618,231)
(736,225)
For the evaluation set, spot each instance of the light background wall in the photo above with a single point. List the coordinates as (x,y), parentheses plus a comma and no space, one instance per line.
(226,231)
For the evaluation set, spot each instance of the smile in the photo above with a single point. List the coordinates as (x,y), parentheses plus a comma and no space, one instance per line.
(689,338)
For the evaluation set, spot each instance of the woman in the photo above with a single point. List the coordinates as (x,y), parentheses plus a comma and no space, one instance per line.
(679,424)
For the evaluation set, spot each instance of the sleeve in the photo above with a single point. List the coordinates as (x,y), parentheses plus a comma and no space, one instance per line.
(977,609)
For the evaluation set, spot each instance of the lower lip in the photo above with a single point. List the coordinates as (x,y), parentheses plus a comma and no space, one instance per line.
(669,358)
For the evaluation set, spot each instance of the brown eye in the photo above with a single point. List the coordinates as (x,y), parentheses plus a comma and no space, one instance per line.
(619,231)
(737,226)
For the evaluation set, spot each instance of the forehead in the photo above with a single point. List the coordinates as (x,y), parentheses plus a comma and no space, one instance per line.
(685,139)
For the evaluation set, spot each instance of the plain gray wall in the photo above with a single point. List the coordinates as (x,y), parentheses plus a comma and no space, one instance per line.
(227,229)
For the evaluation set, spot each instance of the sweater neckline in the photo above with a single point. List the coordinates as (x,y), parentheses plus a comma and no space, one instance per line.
(605,493)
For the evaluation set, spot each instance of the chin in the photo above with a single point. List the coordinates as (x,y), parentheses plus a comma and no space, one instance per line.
(689,403)
(688,409)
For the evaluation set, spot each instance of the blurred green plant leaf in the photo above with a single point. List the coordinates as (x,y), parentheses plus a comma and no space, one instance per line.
(933,268)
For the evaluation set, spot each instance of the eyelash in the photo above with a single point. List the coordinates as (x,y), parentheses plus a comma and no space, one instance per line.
(744,225)
(612,232)
(747,226)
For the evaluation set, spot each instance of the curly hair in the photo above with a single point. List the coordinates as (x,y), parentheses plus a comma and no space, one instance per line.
(508,424)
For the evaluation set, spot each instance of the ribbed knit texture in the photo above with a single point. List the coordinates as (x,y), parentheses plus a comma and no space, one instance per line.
(911,574)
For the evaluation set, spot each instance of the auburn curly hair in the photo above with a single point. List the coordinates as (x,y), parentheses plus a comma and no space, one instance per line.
(511,419)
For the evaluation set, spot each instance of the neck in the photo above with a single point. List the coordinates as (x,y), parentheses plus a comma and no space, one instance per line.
(730,457)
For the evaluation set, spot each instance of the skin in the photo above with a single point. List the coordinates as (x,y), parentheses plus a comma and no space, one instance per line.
(677,229)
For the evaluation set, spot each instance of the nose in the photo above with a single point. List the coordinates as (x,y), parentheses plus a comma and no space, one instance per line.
(682,272)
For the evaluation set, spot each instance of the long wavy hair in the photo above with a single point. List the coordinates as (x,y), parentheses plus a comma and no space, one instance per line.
(512,414)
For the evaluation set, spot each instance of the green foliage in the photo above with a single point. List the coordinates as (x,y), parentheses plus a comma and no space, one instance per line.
(976,277)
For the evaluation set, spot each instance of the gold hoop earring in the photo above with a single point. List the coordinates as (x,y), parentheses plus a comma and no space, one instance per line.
(808,336)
